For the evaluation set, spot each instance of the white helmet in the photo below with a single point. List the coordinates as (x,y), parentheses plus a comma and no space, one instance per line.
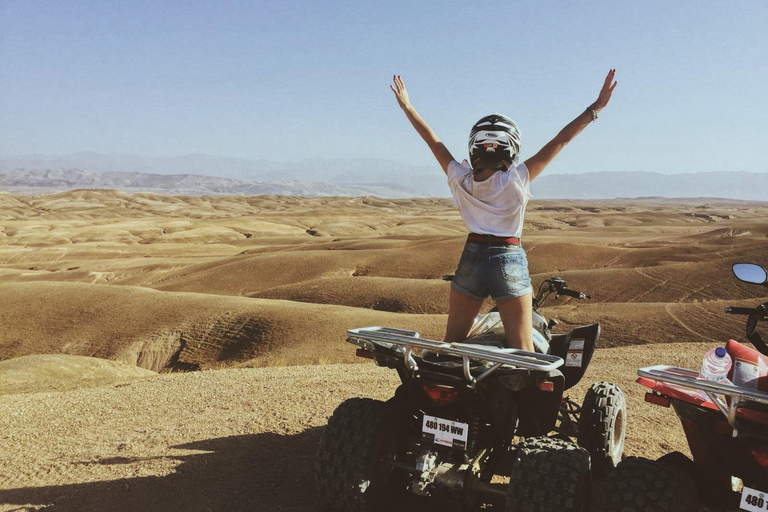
(494,142)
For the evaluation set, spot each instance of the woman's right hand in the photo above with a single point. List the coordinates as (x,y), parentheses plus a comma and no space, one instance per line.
(400,92)
(438,148)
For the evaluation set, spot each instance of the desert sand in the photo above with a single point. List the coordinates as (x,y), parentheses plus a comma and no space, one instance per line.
(184,353)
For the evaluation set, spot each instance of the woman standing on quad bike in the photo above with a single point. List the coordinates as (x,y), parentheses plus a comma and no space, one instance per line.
(491,193)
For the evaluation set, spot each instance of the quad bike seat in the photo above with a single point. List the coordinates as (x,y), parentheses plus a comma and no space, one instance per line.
(486,341)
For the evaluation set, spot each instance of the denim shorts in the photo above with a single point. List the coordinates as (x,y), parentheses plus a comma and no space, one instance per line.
(497,270)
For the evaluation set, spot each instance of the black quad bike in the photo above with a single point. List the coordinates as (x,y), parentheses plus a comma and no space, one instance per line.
(468,412)
(725,423)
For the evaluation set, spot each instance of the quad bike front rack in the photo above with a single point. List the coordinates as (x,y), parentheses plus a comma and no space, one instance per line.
(690,379)
(406,341)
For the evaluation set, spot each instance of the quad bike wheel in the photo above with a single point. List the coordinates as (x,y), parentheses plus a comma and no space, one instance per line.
(603,425)
(549,475)
(349,473)
(642,485)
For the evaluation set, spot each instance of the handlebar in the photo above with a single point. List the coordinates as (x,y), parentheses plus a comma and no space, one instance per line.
(558,286)
(573,293)
(745,311)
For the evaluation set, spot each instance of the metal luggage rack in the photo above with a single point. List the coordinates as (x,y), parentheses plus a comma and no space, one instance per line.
(690,379)
(405,341)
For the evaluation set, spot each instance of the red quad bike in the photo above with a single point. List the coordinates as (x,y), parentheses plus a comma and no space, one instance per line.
(726,424)
(468,411)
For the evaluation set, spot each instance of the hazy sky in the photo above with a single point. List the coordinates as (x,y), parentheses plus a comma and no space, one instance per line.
(288,80)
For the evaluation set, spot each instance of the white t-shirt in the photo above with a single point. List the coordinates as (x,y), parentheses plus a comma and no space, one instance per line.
(495,206)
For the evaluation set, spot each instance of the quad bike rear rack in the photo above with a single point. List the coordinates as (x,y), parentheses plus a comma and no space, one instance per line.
(690,379)
(405,341)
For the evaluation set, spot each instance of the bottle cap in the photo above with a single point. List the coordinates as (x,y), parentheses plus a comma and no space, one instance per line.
(720,352)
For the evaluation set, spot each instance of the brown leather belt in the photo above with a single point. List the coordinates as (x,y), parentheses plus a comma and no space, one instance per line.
(477,238)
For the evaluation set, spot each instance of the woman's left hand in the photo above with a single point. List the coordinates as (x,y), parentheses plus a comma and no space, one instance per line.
(606,91)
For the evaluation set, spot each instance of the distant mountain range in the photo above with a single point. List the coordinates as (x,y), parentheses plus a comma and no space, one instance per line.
(609,185)
(212,175)
(427,179)
(55,180)
(383,178)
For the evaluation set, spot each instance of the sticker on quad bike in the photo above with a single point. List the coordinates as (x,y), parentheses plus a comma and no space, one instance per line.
(445,432)
(753,500)
(575,355)
(745,373)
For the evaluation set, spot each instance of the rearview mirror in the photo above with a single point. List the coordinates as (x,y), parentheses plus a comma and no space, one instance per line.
(750,273)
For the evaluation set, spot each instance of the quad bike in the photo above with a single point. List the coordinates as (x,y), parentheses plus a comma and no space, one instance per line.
(725,423)
(453,422)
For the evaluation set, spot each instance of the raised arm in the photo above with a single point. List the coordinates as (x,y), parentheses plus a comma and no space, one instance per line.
(540,160)
(438,148)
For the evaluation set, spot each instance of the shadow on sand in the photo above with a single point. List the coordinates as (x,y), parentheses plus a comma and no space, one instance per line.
(250,472)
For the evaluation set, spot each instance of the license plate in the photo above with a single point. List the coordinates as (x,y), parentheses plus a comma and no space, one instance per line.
(753,500)
(445,432)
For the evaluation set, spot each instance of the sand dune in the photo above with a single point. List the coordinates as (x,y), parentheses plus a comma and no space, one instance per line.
(655,269)
(164,331)
(671,282)
(167,331)
(59,372)
(246,273)
(400,295)
(657,323)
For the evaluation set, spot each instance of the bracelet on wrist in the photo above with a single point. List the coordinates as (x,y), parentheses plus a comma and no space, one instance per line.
(593,113)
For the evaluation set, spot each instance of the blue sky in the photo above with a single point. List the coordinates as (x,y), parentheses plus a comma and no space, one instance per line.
(290,80)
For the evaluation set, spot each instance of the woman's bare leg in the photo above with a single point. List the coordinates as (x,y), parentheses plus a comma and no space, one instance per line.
(462,311)
(516,315)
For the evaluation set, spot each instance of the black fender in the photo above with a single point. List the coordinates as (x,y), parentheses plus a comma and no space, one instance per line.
(576,349)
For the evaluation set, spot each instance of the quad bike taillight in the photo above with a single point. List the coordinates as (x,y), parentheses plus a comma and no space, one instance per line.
(761,456)
(547,385)
(440,393)
(655,398)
